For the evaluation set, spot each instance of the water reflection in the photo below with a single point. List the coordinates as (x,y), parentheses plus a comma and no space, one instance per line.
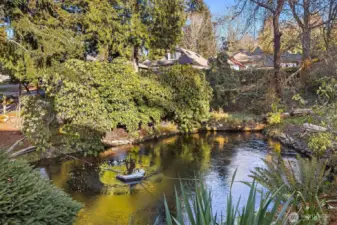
(211,156)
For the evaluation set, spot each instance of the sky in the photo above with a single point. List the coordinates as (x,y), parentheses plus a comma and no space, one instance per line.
(218,7)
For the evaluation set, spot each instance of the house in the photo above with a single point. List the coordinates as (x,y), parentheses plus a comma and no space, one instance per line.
(290,60)
(179,56)
(234,64)
(260,60)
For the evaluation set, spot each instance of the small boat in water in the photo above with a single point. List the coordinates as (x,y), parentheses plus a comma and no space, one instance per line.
(138,175)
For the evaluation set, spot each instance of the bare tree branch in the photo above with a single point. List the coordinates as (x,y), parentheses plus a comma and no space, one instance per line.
(293,9)
(261,4)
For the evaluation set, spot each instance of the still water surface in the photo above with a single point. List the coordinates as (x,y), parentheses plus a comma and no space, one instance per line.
(213,157)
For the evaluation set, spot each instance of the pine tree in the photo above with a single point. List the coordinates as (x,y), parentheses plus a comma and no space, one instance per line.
(27,198)
(43,37)
(167,20)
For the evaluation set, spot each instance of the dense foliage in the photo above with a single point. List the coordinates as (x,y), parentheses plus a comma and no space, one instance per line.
(190,93)
(43,37)
(224,82)
(93,97)
(50,43)
(27,198)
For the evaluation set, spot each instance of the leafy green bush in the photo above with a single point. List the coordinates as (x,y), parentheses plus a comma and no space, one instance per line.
(190,95)
(275,116)
(37,115)
(223,81)
(27,198)
(327,90)
(86,99)
(319,143)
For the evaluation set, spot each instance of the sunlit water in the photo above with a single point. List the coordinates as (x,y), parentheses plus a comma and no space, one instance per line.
(212,157)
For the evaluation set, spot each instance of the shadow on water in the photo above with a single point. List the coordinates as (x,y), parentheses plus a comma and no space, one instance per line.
(210,156)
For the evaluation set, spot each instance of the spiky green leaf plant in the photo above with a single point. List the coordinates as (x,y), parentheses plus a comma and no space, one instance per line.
(199,208)
(305,180)
(307,176)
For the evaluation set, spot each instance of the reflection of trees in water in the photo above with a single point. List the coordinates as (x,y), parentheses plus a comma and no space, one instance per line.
(226,145)
(181,156)
(186,156)
(85,178)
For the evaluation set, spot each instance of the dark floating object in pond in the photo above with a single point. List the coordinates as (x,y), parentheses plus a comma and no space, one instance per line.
(138,175)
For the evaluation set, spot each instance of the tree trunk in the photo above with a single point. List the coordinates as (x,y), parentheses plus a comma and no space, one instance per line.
(277,56)
(305,55)
(306,44)
(306,31)
(328,27)
(136,58)
(20,89)
(25,85)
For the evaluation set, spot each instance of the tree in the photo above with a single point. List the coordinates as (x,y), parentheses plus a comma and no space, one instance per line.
(85,99)
(27,198)
(330,27)
(167,20)
(125,28)
(199,34)
(274,9)
(231,32)
(309,14)
(289,38)
(43,37)
(104,30)
(224,82)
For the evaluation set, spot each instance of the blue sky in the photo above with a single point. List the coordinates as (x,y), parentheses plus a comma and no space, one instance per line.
(218,7)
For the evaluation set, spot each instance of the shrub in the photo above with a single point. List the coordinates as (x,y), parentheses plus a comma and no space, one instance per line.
(190,95)
(224,82)
(27,198)
(86,99)
(319,143)
(166,128)
(219,115)
(307,177)
(275,116)
(327,90)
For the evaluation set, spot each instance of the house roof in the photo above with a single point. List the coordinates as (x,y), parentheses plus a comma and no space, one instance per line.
(289,57)
(233,61)
(260,59)
(194,58)
(186,57)
(257,51)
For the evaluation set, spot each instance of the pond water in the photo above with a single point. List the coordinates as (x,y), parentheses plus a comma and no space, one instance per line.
(213,157)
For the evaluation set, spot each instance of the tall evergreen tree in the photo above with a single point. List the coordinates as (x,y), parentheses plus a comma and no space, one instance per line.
(167,20)
(42,37)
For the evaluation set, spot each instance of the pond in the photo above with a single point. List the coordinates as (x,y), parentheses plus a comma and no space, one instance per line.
(213,157)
